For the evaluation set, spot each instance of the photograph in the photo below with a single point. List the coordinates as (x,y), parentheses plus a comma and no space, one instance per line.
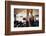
(26,17)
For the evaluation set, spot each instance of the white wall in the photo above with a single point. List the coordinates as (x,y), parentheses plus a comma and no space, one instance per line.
(2,18)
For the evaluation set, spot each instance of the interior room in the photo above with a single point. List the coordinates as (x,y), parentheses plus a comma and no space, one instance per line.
(26,17)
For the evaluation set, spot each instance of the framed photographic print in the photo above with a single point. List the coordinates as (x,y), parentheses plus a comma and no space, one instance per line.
(24,17)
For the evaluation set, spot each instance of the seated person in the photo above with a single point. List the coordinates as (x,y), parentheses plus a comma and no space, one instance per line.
(35,23)
(18,24)
(24,22)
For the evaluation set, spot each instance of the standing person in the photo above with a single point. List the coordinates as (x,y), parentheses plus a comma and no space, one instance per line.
(31,20)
